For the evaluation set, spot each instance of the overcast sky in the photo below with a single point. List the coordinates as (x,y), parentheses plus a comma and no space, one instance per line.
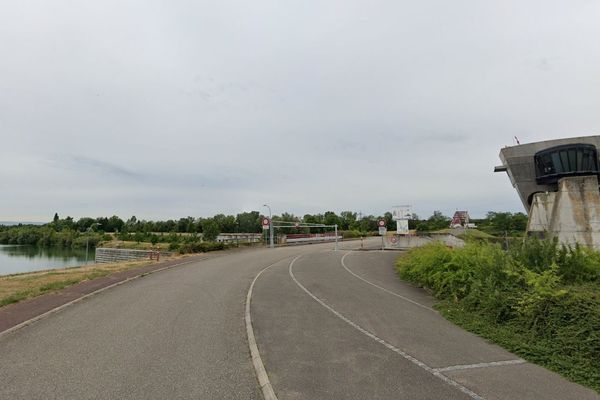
(165,109)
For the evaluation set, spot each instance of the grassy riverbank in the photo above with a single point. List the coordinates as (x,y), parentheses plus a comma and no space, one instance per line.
(538,300)
(18,287)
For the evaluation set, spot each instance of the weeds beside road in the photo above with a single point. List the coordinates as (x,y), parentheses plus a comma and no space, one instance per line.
(539,300)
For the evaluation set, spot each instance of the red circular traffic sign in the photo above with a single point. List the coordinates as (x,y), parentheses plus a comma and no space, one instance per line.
(381,222)
(266,221)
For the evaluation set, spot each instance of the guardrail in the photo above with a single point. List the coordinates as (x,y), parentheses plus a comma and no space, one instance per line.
(309,238)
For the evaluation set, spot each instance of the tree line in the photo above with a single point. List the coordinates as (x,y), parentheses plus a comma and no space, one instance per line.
(68,232)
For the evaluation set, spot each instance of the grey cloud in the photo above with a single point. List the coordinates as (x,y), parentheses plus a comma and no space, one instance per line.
(79,163)
(193,108)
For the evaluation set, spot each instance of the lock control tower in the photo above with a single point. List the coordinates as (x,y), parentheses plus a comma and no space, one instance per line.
(557,181)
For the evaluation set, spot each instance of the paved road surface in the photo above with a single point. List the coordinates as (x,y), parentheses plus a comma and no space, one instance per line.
(326,329)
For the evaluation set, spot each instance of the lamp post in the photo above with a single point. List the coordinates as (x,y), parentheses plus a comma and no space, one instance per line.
(270,225)
(87,240)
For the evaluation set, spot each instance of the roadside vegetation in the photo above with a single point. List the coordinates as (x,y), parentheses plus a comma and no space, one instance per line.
(539,300)
(18,287)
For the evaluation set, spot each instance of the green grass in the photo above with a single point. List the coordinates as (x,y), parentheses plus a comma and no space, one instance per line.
(561,356)
(538,300)
(18,287)
(15,298)
(59,285)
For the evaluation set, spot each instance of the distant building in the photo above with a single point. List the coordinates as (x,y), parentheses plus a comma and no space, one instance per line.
(461,220)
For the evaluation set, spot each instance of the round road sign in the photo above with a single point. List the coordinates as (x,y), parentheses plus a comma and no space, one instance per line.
(381,222)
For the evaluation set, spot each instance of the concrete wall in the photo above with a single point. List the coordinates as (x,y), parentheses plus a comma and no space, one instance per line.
(311,239)
(572,214)
(108,255)
(402,242)
(519,161)
(239,237)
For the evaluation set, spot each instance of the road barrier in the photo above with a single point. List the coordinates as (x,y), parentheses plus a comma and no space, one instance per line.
(309,238)
(402,242)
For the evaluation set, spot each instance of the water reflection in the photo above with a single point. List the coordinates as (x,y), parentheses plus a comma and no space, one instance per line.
(15,259)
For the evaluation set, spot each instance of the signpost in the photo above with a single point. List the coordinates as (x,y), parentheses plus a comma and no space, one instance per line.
(265,226)
(401,214)
(382,232)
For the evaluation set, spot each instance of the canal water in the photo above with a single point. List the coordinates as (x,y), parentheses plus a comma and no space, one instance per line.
(16,259)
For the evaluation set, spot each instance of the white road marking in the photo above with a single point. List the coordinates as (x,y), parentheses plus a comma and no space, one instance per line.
(481,365)
(382,288)
(391,347)
(259,366)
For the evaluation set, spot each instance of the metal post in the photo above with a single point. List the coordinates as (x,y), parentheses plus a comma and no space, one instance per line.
(336,238)
(270,225)
(382,244)
(87,241)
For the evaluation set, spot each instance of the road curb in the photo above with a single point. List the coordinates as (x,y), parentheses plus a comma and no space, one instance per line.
(259,366)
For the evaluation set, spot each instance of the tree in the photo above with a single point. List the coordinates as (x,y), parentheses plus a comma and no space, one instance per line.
(210,230)
(368,224)
(185,225)
(390,224)
(84,223)
(132,224)
(501,222)
(347,220)
(113,224)
(56,218)
(249,222)
(226,223)
(331,218)
(436,222)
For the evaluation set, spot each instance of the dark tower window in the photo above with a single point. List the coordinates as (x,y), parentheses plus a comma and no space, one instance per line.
(568,160)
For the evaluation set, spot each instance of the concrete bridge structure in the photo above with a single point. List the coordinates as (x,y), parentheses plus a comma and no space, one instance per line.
(557,181)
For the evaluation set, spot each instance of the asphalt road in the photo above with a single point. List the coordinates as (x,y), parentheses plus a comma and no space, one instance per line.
(329,325)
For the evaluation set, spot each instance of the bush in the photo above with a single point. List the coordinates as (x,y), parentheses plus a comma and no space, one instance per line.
(352,234)
(200,247)
(539,299)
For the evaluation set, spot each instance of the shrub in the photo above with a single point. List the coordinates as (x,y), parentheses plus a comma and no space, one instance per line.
(539,299)
(200,247)
(352,234)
